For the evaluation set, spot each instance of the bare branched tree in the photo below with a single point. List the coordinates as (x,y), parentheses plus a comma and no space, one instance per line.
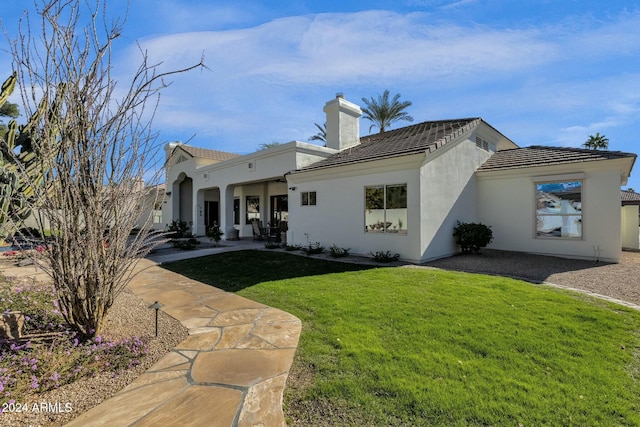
(94,142)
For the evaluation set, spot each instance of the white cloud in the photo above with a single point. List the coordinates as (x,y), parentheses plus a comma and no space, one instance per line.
(268,79)
(376,45)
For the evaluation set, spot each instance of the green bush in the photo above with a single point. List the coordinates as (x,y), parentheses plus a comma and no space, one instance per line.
(215,233)
(472,236)
(178,229)
(185,245)
(338,252)
(272,245)
(314,248)
(385,256)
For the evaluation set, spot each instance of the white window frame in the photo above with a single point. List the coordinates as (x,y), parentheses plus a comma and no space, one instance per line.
(388,225)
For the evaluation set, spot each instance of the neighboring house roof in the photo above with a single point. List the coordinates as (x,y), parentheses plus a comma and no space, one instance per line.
(544,156)
(418,138)
(206,153)
(629,197)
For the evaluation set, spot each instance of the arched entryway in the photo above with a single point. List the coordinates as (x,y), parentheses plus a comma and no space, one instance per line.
(182,198)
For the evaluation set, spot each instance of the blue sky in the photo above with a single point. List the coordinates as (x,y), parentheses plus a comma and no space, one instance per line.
(543,72)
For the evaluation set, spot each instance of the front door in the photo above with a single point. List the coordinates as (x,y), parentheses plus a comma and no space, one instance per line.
(211,216)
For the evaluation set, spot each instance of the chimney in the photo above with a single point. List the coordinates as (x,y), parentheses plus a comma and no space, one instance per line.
(343,123)
(168,148)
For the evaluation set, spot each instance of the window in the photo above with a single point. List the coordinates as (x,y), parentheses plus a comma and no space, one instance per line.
(386,209)
(559,209)
(253,208)
(308,198)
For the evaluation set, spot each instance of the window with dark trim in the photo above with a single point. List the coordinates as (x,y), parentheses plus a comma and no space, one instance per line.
(308,198)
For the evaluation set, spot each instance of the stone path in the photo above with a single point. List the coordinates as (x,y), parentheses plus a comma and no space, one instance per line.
(230,371)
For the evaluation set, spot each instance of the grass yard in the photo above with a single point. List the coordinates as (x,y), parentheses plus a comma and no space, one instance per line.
(409,346)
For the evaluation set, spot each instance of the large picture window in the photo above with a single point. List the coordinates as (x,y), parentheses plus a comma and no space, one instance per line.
(253,208)
(559,209)
(386,209)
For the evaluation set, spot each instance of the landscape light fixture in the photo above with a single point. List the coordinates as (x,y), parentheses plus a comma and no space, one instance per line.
(157,306)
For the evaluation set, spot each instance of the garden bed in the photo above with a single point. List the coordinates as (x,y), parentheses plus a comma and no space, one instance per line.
(129,321)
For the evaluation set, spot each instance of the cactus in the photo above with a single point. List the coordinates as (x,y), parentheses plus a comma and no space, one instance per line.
(14,191)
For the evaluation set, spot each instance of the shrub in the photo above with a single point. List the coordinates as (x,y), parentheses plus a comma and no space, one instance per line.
(291,247)
(386,256)
(472,236)
(215,233)
(272,245)
(338,252)
(178,229)
(186,245)
(30,367)
(314,248)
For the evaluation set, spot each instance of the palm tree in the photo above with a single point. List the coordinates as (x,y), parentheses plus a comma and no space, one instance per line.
(597,142)
(266,145)
(383,113)
(322,133)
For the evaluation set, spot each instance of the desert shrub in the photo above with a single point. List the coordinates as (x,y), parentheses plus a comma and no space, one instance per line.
(385,256)
(272,245)
(338,252)
(178,229)
(28,367)
(185,245)
(215,233)
(472,236)
(314,248)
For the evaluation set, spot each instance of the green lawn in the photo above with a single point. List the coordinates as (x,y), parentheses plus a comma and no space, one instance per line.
(405,346)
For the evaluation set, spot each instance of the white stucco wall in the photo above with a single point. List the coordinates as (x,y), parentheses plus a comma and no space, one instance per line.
(339,215)
(630,237)
(507,203)
(448,195)
(441,187)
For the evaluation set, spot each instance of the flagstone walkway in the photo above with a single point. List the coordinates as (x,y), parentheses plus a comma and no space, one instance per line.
(230,371)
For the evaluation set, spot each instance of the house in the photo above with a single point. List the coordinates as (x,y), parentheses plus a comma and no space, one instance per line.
(630,218)
(404,190)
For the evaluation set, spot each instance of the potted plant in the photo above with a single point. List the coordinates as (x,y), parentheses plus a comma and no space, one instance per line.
(214,233)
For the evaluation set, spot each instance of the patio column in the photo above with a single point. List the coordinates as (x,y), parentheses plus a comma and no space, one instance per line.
(199,228)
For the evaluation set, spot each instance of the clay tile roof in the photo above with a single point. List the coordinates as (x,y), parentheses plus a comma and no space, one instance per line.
(543,156)
(206,153)
(629,197)
(418,138)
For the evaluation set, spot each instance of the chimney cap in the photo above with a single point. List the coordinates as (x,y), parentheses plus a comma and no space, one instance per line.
(339,95)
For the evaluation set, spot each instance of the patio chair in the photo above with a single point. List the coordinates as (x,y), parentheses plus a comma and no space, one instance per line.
(259,233)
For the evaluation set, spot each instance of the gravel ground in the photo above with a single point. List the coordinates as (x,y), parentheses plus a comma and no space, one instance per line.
(620,281)
(128,317)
